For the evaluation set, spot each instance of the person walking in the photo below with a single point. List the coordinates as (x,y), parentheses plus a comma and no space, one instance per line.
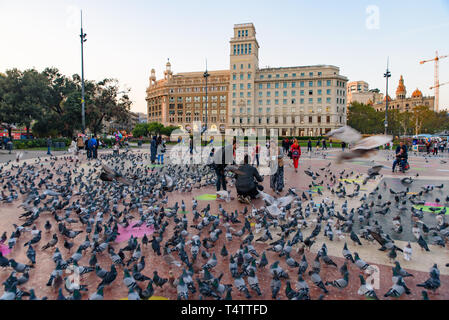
(153,149)
(92,145)
(309,145)
(318,144)
(296,154)
(9,145)
(343,146)
(277,168)
(435,147)
(49,142)
(324,145)
(330,143)
(257,154)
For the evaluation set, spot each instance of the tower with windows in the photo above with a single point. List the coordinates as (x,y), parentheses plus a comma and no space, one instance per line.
(244,63)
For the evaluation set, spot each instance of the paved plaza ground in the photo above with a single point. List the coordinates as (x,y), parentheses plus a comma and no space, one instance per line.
(426,171)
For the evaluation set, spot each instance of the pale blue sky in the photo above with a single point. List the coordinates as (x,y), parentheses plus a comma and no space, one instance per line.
(128,38)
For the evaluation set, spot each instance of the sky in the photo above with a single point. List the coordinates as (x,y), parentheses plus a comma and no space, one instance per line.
(126,39)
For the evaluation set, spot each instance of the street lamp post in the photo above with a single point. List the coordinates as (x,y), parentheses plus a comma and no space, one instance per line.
(206,75)
(83,39)
(386,75)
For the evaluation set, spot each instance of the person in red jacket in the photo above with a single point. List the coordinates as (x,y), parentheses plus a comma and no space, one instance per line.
(295,149)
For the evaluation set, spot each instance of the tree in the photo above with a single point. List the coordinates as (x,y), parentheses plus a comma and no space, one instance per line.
(419,114)
(140,130)
(155,128)
(365,119)
(168,130)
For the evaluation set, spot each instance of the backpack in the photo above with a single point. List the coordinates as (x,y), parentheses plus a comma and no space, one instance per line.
(295,153)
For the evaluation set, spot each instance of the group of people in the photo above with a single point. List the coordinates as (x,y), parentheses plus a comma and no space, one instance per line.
(90,144)
(435,146)
(6,143)
(157,149)
(248,178)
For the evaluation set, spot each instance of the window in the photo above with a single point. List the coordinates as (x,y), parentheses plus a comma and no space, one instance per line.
(241,94)
(319,83)
(310,83)
(249,86)
(310,92)
(268,102)
(285,75)
(249,110)
(302,92)
(249,94)
(319,100)
(241,66)
(269,76)
(268,93)
(277,76)
(293,93)
(285,84)
(233,94)
(246,48)
(234,77)
(261,76)
(310,100)
(328,100)
(310,120)
(319,91)
(293,101)
(329,83)
(233,86)
(284,101)
(239,33)
(246,33)
(310,74)
(301,83)
(328,119)
(233,103)
(241,76)
(268,110)
(249,50)
(260,93)
(233,110)
(248,102)
(260,86)
(233,67)
(293,84)
(294,75)
(249,76)
(276,102)
(249,65)
(302,74)
(260,102)
(301,101)
(235,51)
(241,86)
(328,91)
(241,110)
(276,93)
(276,85)
(268,85)
(319,73)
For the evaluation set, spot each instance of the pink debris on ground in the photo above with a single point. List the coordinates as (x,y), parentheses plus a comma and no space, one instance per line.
(125,233)
(433,204)
(4,249)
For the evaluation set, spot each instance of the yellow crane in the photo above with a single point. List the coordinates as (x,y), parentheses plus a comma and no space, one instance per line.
(436,85)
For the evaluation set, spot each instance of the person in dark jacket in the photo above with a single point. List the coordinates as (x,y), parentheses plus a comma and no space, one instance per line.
(401,157)
(153,149)
(49,142)
(246,183)
(309,146)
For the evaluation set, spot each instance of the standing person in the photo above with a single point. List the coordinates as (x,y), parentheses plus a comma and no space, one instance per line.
(49,142)
(79,144)
(309,145)
(160,152)
(88,148)
(318,144)
(92,145)
(296,154)
(153,149)
(343,146)
(9,145)
(428,147)
(330,143)
(257,153)
(435,147)
(115,150)
(219,165)
(277,168)
(324,145)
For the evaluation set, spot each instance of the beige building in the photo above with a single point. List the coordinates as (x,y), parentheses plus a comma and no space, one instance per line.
(402,103)
(301,101)
(180,99)
(358,91)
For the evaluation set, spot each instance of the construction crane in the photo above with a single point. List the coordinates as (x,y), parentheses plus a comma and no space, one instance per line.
(436,85)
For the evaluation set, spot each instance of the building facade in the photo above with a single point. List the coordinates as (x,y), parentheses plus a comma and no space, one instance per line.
(358,91)
(180,99)
(402,103)
(299,101)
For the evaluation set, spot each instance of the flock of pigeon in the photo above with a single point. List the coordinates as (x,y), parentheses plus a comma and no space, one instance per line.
(208,253)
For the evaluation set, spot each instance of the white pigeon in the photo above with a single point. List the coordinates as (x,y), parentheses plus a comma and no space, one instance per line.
(224,195)
(408,252)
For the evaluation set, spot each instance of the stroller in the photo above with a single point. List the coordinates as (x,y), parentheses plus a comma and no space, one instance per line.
(404,166)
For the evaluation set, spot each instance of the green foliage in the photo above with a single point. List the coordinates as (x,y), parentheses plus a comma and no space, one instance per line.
(148,129)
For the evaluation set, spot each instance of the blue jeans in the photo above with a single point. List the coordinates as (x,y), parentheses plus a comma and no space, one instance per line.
(48,150)
(401,162)
(160,158)
(89,153)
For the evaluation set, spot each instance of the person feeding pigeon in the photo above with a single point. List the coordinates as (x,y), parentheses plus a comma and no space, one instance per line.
(247,187)
(401,157)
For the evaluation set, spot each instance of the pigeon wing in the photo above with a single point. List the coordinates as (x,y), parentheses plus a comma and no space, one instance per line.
(346,134)
(372,142)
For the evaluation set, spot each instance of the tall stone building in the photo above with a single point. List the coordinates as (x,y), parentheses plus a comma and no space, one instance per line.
(402,103)
(358,91)
(301,101)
